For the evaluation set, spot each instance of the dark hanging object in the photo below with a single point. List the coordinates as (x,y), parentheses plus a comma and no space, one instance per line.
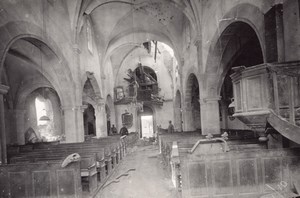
(44,118)
(147,45)
(155,51)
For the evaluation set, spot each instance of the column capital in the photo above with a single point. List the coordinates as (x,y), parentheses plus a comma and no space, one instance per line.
(76,48)
(70,107)
(100,105)
(3,89)
(209,100)
(198,41)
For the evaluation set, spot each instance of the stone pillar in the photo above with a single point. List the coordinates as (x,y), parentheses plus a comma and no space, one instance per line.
(210,115)
(198,44)
(20,120)
(188,117)
(73,123)
(3,90)
(101,128)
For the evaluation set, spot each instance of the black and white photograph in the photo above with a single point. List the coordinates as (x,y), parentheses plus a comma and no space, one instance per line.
(149,98)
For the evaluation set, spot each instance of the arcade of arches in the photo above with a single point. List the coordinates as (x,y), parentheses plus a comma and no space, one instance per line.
(70,70)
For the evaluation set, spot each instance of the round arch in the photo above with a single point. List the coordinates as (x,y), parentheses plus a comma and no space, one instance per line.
(213,65)
(89,76)
(192,104)
(37,36)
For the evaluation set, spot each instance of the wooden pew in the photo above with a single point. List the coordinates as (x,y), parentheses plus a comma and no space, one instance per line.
(245,173)
(88,169)
(103,168)
(64,151)
(106,153)
(109,148)
(47,179)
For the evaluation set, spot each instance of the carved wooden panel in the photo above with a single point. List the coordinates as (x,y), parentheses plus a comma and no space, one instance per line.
(238,96)
(283,90)
(247,175)
(240,174)
(41,183)
(254,93)
(197,178)
(40,180)
(272,173)
(17,183)
(66,185)
(222,178)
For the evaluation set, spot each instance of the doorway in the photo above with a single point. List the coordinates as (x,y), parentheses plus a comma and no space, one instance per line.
(147,126)
(89,121)
(147,122)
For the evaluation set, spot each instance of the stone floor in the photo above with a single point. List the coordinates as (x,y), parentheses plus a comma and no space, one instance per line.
(140,175)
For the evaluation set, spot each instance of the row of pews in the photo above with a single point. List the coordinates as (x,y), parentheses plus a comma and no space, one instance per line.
(62,170)
(236,166)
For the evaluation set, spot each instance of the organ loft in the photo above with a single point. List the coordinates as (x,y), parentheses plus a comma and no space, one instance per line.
(150,98)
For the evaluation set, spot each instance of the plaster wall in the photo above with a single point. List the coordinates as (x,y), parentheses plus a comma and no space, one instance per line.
(164,114)
(120,109)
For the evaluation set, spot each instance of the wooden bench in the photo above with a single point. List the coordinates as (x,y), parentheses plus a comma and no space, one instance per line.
(47,179)
(88,169)
(187,140)
(65,150)
(97,156)
(246,173)
(241,167)
(108,154)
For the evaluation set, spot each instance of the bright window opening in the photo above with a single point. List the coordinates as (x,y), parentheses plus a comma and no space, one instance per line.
(40,105)
(147,126)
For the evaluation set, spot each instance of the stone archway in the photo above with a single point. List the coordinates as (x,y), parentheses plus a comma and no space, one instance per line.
(34,35)
(42,102)
(33,64)
(89,120)
(243,49)
(230,31)
(192,104)
(39,62)
(92,95)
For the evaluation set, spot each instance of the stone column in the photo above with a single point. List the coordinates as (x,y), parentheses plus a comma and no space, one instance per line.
(20,120)
(101,125)
(3,90)
(188,118)
(73,123)
(210,115)
(198,44)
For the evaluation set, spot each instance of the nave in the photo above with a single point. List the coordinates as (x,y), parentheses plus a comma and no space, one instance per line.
(217,83)
(141,174)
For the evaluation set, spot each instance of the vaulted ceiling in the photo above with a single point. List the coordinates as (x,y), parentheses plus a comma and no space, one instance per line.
(121,26)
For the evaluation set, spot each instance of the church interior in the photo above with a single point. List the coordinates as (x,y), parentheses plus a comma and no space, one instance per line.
(204,92)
